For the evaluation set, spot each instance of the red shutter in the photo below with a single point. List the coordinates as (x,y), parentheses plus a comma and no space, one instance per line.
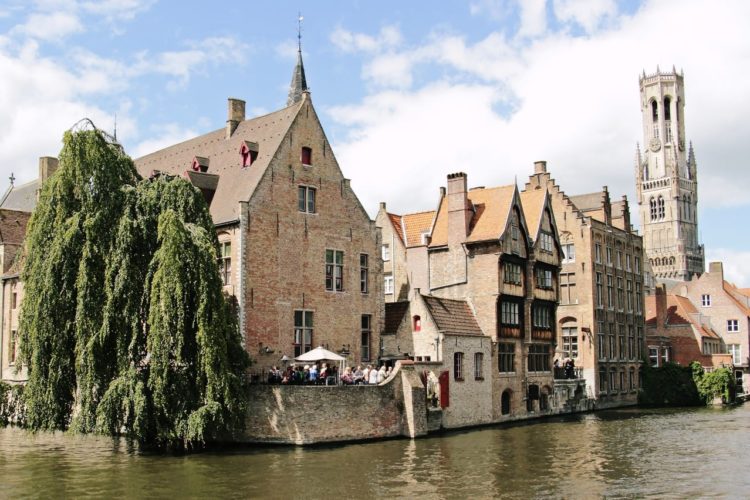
(444,389)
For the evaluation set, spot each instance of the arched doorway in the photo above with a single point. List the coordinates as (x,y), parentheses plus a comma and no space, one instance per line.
(505,402)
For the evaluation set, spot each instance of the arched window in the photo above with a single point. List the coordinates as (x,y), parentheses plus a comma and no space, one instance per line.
(505,402)
(660,207)
(667,113)
(645,172)
(652,206)
(417,323)
(654,111)
(671,261)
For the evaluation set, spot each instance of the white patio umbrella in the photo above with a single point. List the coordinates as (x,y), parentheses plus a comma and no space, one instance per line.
(321,354)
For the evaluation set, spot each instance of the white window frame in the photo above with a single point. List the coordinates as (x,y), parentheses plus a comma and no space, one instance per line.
(386,252)
(388,285)
(736,351)
(705,300)
(733,326)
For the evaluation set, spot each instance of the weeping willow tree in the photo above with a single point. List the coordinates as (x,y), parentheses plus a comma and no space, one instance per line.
(125,329)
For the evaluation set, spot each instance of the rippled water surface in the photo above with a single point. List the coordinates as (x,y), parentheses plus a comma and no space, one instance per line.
(631,453)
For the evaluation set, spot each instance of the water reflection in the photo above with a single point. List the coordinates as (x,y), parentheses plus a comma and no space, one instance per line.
(626,453)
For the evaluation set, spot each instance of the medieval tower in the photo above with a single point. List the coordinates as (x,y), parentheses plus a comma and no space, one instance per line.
(666,182)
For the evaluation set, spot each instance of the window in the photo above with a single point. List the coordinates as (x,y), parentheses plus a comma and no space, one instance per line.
(569,253)
(652,208)
(249,153)
(609,256)
(506,359)
(621,341)
(14,300)
(334,270)
(364,272)
(543,278)
(458,366)
(653,355)
(622,380)
(660,207)
(417,322)
(386,252)
(638,298)
(639,342)
(665,355)
(366,336)
(505,402)
(306,156)
(602,346)
(511,273)
(620,295)
(628,263)
(546,242)
(734,350)
(631,343)
(610,292)
(542,316)
(612,342)
(388,285)
(538,358)
(568,288)
(12,348)
(306,199)
(613,380)
(597,253)
(733,325)
(225,262)
(570,342)
(618,260)
(509,313)
(602,379)
(478,366)
(629,290)
(706,300)
(637,265)
(599,291)
(631,379)
(303,332)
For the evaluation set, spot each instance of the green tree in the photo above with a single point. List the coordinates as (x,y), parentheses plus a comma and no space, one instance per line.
(125,329)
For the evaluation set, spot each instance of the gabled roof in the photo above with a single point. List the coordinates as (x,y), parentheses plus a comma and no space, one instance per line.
(235,182)
(680,311)
(452,316)
(396,223)
(533,202)
(21,197)
(491,209)
(394,315)
(730,289)
(411,227)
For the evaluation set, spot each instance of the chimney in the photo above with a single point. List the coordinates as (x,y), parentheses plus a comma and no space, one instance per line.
(540,167)
(382,206)
(716,268)
(660,303)
(459,214)
(47,167)
(235,114)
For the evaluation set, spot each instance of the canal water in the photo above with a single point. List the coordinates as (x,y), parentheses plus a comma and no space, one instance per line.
(633,453)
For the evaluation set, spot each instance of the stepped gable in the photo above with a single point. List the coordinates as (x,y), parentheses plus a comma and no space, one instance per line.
(235,182)
(491,207)
(394,315)
(22,198)
(452,316)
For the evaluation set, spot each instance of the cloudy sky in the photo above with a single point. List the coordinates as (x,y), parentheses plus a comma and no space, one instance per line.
(407,91)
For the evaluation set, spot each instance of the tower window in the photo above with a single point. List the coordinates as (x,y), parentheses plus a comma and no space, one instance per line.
(654,111)
(667,112)
(660,207)
(652,206)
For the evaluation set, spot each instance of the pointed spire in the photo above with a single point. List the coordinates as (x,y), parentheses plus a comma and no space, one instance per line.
(299,83)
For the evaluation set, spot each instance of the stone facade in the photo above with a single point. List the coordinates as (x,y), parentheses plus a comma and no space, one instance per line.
(600,323)
(726,309)
(666,181)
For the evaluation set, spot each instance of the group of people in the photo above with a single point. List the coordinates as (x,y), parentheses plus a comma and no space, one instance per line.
(568,368)
(323,374)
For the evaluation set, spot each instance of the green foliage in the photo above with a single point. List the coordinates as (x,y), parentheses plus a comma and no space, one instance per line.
(124,325)
(668,385)
(717,383)
(12,409)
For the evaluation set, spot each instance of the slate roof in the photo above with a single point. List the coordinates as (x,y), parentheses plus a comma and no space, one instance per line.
(532,202)
(235,183)
(21,197)
(452,316)
(394,315)
(491,209)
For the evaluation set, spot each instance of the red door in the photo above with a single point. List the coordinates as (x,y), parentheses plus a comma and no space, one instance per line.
(444,398)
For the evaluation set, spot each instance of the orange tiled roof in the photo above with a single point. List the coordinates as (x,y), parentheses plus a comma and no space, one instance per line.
(729,288)
(491,209)
(680,311)
(235,183)
(532,202)
(417,224)
(396,223)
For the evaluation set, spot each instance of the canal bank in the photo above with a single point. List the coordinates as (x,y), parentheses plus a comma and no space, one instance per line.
(665,453)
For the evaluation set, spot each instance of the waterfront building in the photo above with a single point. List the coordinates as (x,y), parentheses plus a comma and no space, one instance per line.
(666,180)
(599,323)
(678,332)
(725,309)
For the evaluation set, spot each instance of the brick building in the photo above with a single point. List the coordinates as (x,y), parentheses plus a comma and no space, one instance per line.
(600,321)
(491,254)
(299,253)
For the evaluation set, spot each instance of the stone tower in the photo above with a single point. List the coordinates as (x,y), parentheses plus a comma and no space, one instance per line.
(666,181)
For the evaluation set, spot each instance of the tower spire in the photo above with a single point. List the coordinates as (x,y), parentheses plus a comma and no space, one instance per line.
(299,83)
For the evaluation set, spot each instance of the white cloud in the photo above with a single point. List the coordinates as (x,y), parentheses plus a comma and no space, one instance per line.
(388,38)
(588,14)
(735,266)
(500,103)
(53,27)
(533,17)
(117,10)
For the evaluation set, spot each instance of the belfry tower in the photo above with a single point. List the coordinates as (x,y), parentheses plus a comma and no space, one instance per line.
(666,181)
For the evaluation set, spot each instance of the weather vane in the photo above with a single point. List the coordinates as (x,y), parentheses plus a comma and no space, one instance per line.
(299,31)
(12,179)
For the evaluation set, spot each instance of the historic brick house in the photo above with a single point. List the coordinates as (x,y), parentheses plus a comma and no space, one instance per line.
(483,296)
(299,255)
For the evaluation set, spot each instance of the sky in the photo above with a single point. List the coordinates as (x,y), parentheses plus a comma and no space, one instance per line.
(407,92)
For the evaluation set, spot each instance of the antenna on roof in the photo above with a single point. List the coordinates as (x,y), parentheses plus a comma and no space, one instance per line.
(299,31)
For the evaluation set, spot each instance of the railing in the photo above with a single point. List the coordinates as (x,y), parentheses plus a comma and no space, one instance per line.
(562,373)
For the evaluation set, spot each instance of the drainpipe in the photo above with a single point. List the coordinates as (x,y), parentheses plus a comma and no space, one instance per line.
(2,326)
(241,292)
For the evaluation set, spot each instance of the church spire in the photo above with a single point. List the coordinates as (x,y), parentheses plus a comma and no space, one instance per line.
(299,83)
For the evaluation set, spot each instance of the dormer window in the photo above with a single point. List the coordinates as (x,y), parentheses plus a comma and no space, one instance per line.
(200,164)
(306,156)
(249,153)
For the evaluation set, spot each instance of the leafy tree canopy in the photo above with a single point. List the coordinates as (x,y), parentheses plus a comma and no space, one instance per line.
(124,326)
